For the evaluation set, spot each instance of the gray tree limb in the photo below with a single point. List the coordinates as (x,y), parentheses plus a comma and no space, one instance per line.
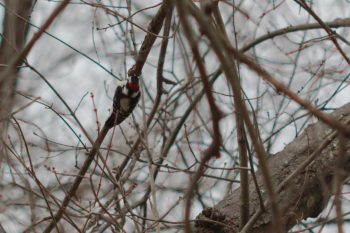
(303,174)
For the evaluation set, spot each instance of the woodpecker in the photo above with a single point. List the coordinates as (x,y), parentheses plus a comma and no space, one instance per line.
(125,99)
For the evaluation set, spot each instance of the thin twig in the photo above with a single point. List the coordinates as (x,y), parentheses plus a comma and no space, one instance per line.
(78,179)
(303,4)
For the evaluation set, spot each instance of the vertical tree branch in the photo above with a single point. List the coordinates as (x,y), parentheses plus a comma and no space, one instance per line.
(12,42)
(216,114)
(147,44)
(221,48)
(154,27)
(8,75)
(241,138)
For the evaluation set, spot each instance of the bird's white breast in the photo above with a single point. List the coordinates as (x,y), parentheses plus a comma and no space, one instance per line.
(125,104)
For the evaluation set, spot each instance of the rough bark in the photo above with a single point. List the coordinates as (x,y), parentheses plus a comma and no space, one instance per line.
(304,196)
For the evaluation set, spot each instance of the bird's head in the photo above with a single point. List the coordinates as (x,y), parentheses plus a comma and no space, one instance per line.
(133,83)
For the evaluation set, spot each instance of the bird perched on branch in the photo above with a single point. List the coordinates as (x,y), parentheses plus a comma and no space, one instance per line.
(125,100)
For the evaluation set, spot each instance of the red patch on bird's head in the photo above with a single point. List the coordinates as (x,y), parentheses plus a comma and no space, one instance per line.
(133,86)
